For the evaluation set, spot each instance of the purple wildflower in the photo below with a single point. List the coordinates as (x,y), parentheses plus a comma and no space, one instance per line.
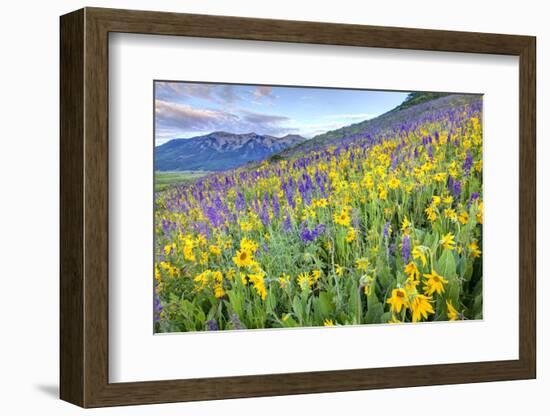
(240,203)
(457,189)
(236,323)
(387,230)
(276,206)
(468,162)
(212,325)
(157,308)
(287,224)
(474,196)
(308,235)
(406,248)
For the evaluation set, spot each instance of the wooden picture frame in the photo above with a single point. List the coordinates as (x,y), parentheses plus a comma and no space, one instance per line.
(84,207)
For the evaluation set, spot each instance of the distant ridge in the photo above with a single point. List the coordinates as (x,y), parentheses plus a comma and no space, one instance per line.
(219,151)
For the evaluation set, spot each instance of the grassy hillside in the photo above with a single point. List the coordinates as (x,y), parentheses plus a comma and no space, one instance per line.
(165,180)
(404,115)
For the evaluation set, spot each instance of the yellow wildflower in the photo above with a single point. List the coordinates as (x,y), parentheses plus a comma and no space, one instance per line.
(448,241)
(243,258)
(463,217)
(343,218)
(412,271)
(257,280)
(316,274)
(394,183)
(421,306)
(284,281)
(418,252)
(452,313)
(249,245)
(430,213)
(304,280)
(215,250)
(362,264)
(405,224)
(479,215)
(475,252)
(219,292)
(351,235)
(434,283)
(398,300)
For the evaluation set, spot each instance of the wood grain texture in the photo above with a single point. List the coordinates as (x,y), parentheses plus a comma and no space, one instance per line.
(71,213)
(84,207)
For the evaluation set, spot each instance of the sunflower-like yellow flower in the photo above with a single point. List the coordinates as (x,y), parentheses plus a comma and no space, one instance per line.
(419,252)
(243,258)
(479,215)
(382,193)
(168,248)
(362,264)
(421,306)
(448,241)
(305,280)
(215,250)
(257,280)
(316,275)
(450,213)
(351,235)
(219,291)
(188,253)
(342,218)
(249,245)
(328,322)
(452,313)
(430,213)
(434,283)
(398,300)
(463,217)
(245,226)
(284,281)
(412,271)
(475,252)
(405,224)
(394,183)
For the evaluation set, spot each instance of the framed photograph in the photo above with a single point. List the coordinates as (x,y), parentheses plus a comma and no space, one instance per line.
(257,207)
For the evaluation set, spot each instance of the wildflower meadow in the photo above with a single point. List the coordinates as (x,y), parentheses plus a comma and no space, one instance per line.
(382,226)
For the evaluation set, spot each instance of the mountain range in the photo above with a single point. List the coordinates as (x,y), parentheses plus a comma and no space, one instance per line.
(219,151)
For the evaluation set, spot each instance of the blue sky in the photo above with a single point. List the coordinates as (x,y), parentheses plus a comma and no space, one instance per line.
(184,110)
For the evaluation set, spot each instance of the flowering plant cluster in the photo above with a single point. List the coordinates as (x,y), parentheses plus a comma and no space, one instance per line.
(384,228)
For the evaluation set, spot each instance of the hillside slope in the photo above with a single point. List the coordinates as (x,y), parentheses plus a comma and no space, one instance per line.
(398,118)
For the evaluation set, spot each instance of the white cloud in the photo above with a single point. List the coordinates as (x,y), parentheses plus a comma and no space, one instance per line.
(175,120)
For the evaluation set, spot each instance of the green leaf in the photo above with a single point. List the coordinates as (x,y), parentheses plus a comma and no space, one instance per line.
(326,306)
(297,307)
(289,322)
(446,265)
(374,314)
